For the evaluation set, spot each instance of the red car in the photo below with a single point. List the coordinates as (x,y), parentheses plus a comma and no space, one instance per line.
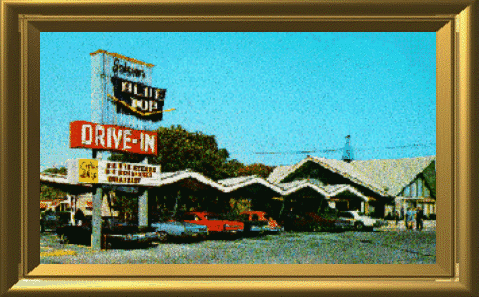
(258,221)
(213,222)
(310,221)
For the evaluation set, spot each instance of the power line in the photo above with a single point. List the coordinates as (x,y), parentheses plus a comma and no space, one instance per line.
(334,150)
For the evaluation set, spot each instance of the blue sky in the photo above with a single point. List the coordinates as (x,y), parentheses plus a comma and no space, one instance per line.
(265,96)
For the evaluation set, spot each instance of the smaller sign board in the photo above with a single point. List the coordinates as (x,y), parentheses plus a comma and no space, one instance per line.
(114,138)
(93,171)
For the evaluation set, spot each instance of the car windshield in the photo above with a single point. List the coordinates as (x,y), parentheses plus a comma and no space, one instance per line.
(212,217)
(188,217)
(345,215)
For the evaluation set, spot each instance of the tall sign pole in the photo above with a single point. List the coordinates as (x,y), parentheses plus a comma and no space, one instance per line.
(122,96)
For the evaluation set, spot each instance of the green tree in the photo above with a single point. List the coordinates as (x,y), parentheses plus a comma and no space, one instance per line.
(232,168)
(48,192)
(60,170)
(127,207)
(430,176)
(256,169)
(179,149)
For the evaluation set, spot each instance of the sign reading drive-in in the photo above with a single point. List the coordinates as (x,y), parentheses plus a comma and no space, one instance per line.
(110,137)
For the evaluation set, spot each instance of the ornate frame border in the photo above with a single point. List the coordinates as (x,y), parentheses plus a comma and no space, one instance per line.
(456,27)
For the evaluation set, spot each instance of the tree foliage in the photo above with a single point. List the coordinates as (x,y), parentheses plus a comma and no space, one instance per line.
(179,149)
(430,176)
(55,170)
(256,169)
(127,207)
(48,192)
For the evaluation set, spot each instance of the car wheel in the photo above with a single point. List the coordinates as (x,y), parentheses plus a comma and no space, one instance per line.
(359,226)
(162,236)
(64,239)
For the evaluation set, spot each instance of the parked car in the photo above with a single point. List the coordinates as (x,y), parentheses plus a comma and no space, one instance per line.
(214,223)
(179,230)
(329,224)
(113,234)
(50,221)
(360,221)
(256,222)
(310,221)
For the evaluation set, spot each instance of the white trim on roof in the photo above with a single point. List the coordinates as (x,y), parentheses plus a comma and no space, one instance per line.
(306,185)
(344,188)
(240,182)
(179,175)
(232,184)
(281,172)
(55,178)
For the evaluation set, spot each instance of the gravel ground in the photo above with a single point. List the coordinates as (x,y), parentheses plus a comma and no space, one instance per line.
(383,247)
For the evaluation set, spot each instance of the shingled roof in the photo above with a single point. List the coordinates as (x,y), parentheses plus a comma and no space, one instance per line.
(394,174)
(386,177)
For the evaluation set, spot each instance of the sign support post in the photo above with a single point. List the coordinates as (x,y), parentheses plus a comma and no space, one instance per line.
(143,209)
(97,195)
(143,205)
(96,219)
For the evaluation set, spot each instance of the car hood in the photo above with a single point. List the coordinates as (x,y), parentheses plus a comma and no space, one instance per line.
(186,224)
(222,222)
(176,223)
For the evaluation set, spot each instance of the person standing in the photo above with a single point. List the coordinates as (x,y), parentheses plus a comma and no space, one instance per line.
(410,218)
(396,217)
(419,218)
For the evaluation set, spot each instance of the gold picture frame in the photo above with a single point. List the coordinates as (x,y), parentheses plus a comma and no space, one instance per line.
(456,27)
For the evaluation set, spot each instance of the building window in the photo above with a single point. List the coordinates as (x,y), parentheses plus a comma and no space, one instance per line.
(426,192)
(407,191)
(419,187)
(413,190)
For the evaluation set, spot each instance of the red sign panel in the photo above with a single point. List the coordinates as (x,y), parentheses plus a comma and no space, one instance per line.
(112,138)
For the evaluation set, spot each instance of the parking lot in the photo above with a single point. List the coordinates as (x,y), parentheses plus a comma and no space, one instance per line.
(386,246)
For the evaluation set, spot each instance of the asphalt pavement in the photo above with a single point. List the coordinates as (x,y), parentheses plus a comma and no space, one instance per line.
(385,246)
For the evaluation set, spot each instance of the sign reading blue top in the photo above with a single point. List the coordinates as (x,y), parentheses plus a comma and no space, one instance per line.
(138,99)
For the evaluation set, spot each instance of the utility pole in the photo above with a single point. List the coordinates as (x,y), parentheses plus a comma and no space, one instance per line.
(348,150)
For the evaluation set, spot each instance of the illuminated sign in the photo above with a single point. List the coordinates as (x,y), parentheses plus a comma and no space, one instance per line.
(122,92)
(138,99)
(105,172)
(110,137)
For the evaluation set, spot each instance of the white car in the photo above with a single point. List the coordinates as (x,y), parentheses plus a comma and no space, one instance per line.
(179,230)
(361,222)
